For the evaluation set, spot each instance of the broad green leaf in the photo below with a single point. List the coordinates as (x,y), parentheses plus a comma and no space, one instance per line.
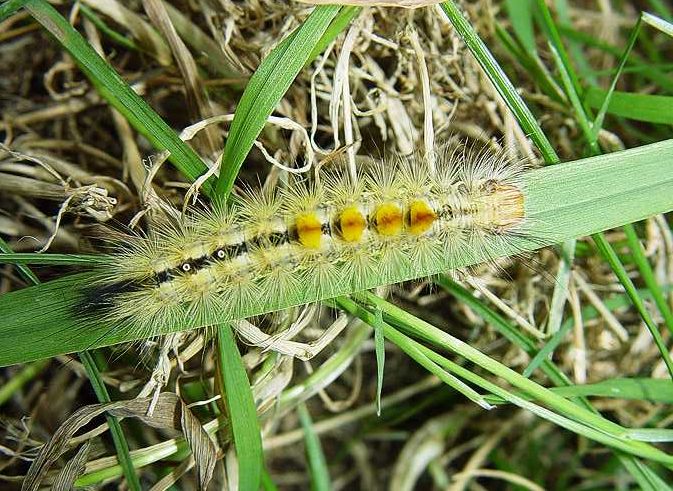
(563,202)
(92,372)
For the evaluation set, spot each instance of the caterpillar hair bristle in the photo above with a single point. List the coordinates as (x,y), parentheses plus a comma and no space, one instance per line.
(401,219)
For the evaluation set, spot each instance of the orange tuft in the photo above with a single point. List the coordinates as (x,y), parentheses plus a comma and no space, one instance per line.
(388,219)
(309,230)
(352,224)
(421,217)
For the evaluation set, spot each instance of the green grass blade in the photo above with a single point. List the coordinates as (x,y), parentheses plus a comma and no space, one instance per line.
(563,12)
(122,447)
(118,38)
(6,252)
(266,88)
(320,480)
(568,415)
(654,435)
(569,77)
(561,284)
(663,25)
(145,36)
(638,389)
(645,389)
(647,479)
(516,104)
(531,63)
(638,107)
(618,268)
(211,53)
(661,8)
(588,313)
(414,351)
(267,482)
(241,410)
(380,348)
(554,39)
(21,258)
(498,322)
(353,342)
(542,356)
(500,81)
(598,123)
(117,92)
(645,67)
(177,449)
(570,83)
(18,380)
(648,275)
(582,119)
(621,441)
(10,7)
(611,257)
(339,23)
(584,421)
(520,13)
(374,318)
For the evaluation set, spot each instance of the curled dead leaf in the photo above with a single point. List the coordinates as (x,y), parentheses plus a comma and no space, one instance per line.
(169,412)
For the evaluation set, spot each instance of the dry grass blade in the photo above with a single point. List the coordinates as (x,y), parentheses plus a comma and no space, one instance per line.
(109,84)
(146,35)
(74,468)
(197,100)
(407,4)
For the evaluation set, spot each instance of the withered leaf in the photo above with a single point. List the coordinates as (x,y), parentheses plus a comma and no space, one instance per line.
(169,412)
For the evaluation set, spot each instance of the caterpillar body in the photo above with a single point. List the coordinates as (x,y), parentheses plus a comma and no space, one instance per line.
(401,220)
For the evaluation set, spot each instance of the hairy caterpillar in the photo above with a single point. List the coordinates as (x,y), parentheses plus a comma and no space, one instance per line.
(401,220)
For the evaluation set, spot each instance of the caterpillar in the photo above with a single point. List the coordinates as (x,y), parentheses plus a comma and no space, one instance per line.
(402,219)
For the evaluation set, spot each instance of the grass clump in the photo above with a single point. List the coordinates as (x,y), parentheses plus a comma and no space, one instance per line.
(96,100)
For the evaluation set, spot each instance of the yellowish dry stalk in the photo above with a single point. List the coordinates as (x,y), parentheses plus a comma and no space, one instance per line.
(407,4)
